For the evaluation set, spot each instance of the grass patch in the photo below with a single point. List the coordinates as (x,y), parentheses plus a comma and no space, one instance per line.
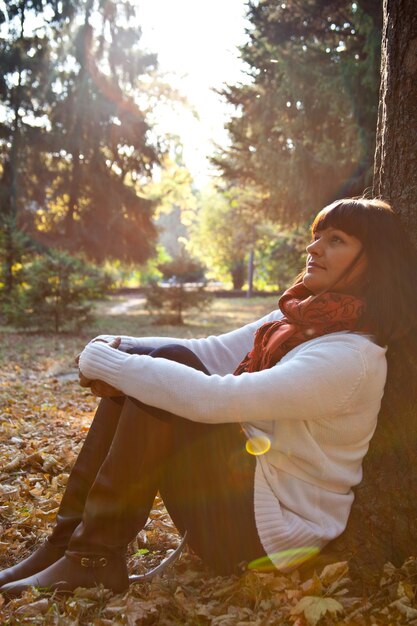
(124,315)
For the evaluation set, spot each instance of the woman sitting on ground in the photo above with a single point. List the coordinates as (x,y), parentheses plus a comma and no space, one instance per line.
(180,417)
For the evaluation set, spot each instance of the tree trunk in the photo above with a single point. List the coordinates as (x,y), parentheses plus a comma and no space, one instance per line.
(383,523)
(395,174)
(12,167)
(251,263)
(237,272)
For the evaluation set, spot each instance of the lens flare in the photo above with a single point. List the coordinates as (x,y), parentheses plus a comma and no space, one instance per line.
(258,445)
(286,559)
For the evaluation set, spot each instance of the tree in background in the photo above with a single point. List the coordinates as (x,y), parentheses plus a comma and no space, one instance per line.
(224,233)
(280,256)
(227,235)
(58,293)
(176,202)
(175,198)
(100,151)
(25,70)
(304,132)
(75,148)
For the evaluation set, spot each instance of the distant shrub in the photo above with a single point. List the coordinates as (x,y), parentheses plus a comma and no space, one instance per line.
(182,268)
(55,293)
(169,302)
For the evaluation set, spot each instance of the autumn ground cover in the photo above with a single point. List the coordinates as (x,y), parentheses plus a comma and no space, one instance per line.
(44,416)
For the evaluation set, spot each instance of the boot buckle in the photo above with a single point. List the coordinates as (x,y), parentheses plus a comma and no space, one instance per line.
(93,562)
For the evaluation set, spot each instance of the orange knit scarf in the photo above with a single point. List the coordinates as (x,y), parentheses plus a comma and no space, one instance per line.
(305,317)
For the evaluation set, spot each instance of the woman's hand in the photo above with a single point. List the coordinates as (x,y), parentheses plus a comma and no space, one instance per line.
(104,390)
(99,387)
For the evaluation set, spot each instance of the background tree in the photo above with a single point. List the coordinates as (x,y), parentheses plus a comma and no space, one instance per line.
(58,294)
(100,150)
(383,523)
(280,255)
(175,198)
(224,233)
(75,148)
(305,128)
(25,68)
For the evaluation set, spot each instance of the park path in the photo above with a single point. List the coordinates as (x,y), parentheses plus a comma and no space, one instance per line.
(123,307)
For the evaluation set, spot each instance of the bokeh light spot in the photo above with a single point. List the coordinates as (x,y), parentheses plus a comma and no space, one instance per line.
(258,445)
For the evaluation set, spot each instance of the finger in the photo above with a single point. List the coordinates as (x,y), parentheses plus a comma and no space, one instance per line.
(115,343)
(95,388)
(102,390)
(84,382)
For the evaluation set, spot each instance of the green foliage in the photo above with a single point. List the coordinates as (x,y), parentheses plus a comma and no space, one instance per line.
(25,69)
(96,201)
(14,245)
(229,227)
(168,303)
(130,275)
(55,293)
(182,269)
(176,201)
(280,257)
(304,128)
(224,232)
(75,147)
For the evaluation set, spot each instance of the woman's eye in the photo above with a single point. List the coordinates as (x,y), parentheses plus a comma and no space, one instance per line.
(337,239)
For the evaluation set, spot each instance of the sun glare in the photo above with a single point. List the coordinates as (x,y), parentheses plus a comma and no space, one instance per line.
(197,46)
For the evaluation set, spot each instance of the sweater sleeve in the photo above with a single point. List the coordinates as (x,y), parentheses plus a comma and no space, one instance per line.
(315,383)
(221,354)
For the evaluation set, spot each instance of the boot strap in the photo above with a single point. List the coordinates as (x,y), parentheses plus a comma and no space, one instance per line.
(87,560)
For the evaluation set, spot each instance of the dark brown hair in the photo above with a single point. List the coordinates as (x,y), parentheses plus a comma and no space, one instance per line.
(390,289)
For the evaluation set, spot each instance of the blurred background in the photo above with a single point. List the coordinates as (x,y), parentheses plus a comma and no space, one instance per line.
(160,144)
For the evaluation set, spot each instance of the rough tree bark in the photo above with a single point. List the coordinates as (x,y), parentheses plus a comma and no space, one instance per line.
(395,172)
(383,522)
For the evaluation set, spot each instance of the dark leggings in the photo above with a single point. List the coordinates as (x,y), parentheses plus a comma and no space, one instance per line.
(206,479)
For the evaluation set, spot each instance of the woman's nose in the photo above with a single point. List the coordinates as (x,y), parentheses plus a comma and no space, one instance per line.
(313,247)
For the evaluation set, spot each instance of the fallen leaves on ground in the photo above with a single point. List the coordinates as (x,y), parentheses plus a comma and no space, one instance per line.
(44,417)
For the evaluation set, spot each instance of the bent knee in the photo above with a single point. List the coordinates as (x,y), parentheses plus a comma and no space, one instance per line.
(180,354)
(173,351)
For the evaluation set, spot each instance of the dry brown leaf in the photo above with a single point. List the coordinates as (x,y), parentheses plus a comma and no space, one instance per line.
(41,434)
(14,464)
(334,572)
(313,586)
(39,607)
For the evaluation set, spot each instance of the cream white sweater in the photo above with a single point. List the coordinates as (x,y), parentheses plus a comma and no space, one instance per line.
(318,407)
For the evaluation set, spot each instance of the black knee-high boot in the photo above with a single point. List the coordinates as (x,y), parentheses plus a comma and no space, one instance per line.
(82,476)
(116,508)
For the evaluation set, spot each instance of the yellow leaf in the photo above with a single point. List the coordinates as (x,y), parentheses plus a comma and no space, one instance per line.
(314,608)
(405,590)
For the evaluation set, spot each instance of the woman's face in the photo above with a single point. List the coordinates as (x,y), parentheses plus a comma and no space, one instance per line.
(329,255)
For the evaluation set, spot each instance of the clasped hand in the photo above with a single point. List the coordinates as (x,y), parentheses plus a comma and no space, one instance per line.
(99,387)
